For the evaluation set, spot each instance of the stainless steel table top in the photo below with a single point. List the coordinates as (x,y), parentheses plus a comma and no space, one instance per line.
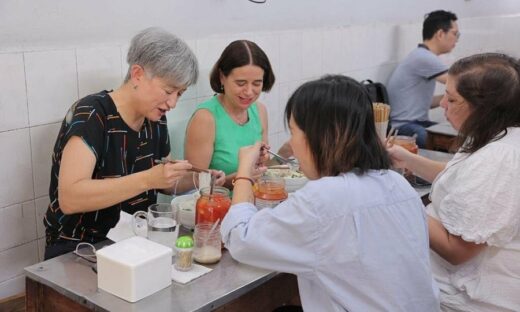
(74,277)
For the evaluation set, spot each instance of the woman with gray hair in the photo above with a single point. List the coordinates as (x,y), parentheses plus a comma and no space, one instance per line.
(105,155)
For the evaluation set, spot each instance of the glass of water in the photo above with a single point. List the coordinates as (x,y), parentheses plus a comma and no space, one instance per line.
(161,224)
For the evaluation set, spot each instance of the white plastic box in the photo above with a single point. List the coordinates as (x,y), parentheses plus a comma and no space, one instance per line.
(134,268)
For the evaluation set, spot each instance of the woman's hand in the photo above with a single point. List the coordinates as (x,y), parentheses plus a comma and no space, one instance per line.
(164,176)
(398,155)
(220,177)
(249,162)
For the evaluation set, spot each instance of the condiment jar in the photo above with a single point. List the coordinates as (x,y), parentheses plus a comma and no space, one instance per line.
(207,243)
(269,192)
(184,247)
(210,208)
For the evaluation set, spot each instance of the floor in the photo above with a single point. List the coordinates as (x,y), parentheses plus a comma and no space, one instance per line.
(13,304)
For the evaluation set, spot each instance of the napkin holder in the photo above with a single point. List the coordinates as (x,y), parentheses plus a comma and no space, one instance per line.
(134,268)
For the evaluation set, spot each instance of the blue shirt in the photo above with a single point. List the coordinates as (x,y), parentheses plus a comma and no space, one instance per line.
(412,84)
(355,242)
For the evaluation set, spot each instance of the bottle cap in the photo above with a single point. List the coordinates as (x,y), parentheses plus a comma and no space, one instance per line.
(184,242)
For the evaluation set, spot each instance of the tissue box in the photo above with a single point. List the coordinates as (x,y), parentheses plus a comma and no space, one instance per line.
(134,268)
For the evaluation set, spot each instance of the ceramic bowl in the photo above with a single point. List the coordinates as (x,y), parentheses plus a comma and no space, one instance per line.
(186,207)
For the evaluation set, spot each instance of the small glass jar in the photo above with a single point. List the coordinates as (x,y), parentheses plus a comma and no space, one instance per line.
(409,143)
(184,257)
(207,248)
(269,192)
(210,208)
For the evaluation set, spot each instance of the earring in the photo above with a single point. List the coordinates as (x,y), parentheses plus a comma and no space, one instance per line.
(221,89)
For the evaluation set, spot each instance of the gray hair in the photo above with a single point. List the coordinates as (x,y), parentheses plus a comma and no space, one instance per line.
(163,55)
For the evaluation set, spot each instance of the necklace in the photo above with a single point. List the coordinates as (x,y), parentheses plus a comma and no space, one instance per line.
(242,120)
(238,121)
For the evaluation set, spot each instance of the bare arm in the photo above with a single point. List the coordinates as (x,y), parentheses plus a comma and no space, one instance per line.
(436,100)
(450,247)
(200,138)
(262,110)
(442,78)
(78,192)
(426,168)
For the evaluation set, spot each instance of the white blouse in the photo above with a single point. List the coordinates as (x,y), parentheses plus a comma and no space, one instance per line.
(477,197)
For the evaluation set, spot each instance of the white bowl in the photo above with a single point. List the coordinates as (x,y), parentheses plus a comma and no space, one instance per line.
(294,184)
(185,205)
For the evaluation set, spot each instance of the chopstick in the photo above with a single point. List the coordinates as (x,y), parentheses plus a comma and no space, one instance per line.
(391,138)
(279,167)
(165,161)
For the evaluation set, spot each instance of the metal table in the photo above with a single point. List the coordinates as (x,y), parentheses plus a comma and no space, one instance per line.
(442,136)
(68,282)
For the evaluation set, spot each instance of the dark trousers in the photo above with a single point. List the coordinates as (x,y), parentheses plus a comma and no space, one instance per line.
(59,248)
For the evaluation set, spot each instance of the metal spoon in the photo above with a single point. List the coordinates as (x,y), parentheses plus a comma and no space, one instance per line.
(283,159)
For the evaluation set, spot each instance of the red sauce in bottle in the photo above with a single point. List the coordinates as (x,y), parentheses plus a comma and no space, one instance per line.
(269,192)
(210,208)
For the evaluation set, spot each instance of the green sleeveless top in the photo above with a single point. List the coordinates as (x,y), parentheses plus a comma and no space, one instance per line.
(230,136)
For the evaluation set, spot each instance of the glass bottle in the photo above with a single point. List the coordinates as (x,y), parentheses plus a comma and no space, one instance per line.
(184,257)
(269,192)
(210,208)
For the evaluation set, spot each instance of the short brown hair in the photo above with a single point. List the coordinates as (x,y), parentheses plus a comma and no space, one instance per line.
(237,54)
(490,84)
(335,113)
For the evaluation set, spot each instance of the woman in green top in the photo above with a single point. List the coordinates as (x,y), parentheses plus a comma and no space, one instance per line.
(232,118)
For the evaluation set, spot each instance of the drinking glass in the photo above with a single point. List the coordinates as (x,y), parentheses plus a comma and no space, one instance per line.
(161,224)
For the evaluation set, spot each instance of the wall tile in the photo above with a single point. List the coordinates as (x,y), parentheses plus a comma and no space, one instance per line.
(98,69)
(271,100)
(177,122)
(191,92)
(13,97)
(208,52)
(41,205)
(17,225)
(41,249)
(270,44)
(15,166)
(42,145)
(52,85)
(290,56)
(12,287)
(312,43)
(333,55)
(408,36)
(379,73)
(14,260)
(124,64)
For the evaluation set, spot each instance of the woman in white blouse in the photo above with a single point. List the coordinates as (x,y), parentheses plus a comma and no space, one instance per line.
(356,234)
(474,216)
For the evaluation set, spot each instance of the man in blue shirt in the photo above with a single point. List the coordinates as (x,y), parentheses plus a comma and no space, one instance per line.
(412,84)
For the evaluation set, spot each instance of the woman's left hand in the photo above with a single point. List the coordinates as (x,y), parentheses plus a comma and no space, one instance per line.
(220,177)
(249,161)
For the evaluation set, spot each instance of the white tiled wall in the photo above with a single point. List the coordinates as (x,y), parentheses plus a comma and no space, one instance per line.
(37,88)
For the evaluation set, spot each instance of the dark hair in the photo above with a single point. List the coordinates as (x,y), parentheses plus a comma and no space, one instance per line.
(336,115)
(237,54)
(436,20)
(490,84)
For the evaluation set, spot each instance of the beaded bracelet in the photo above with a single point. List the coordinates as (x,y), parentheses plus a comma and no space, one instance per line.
(242,178)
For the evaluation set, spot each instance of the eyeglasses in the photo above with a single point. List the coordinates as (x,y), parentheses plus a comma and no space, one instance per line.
(456,33)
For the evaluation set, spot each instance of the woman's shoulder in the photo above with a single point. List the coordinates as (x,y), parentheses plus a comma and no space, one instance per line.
(210,103)
(101,102)
(505,147)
